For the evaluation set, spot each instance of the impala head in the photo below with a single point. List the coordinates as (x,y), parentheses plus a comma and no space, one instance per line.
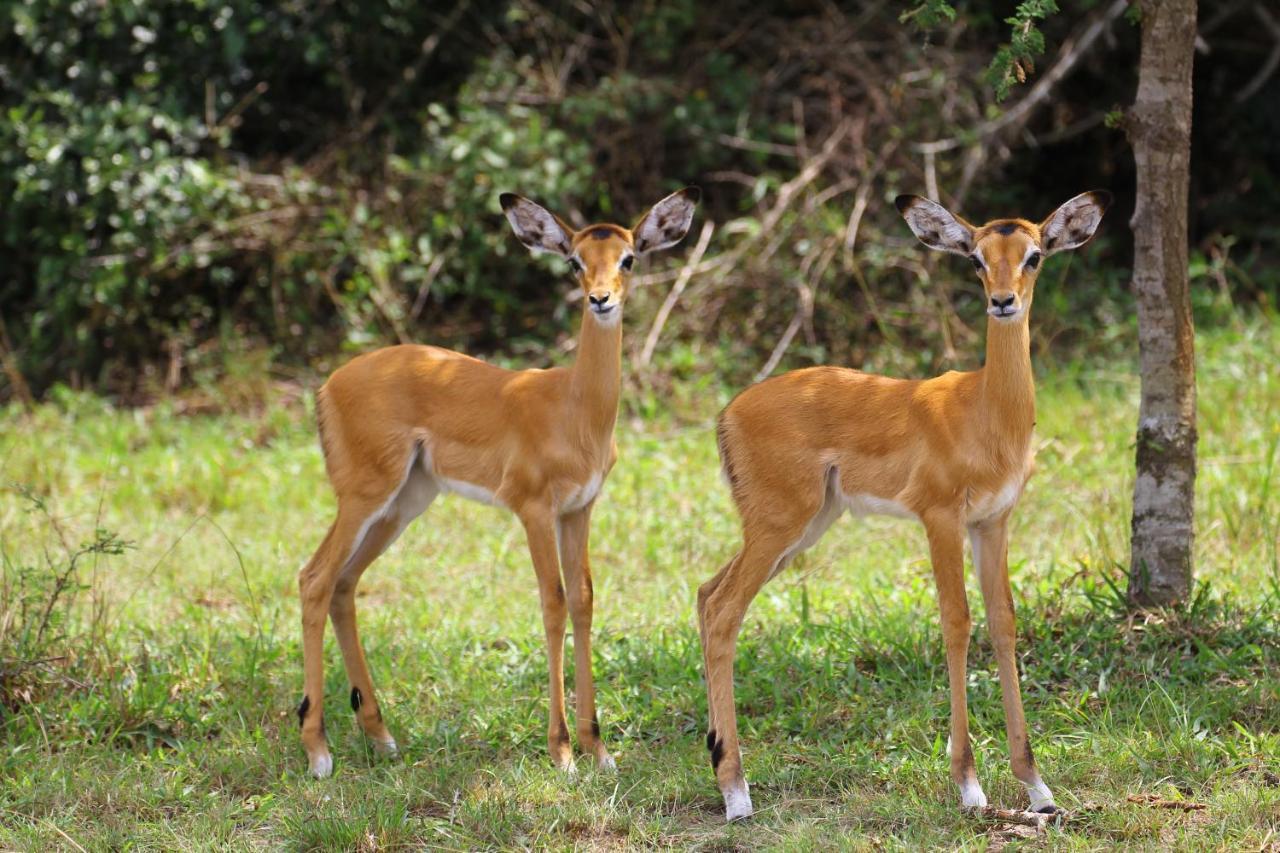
(1007,253)
(602,256)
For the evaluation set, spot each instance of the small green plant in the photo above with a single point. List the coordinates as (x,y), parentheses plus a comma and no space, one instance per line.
(37,600)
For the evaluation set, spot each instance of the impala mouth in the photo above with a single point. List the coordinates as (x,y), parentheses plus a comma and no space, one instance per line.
(602,310)
(1005,314)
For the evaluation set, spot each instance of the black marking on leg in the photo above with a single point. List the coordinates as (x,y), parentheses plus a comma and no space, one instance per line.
(356,699)
(711,739)
(717,754)
(1030,756)
(302,710)
(595,726)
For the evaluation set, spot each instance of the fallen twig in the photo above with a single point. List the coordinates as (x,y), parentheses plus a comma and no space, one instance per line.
(1157,802)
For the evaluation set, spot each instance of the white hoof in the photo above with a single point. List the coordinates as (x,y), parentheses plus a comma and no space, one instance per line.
(971,796)
(605,763)
(322,766)
(386,748)
(1041,797)
(737,803)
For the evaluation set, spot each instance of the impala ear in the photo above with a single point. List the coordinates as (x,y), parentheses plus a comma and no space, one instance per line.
(666,223)
(538,228)
(1074,224)
(937,227)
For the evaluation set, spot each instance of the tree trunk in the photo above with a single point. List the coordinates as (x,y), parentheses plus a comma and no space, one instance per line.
(1159,127)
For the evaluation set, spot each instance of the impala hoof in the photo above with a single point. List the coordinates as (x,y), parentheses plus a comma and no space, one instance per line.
(972,797)
(321,766)
(1041,797)
(606,764)
(386,747)
(737,803)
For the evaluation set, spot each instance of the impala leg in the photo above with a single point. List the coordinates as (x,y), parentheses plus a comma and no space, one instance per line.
(413,498)
(540,528)
(315,589)
(990,543)
(704,594)
(575,529)
(946,550)
(725,600)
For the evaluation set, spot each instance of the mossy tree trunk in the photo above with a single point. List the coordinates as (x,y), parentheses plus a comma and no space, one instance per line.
(1159,127)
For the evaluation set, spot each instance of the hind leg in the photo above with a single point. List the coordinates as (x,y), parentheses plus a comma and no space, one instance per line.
(413,498)
(315,589)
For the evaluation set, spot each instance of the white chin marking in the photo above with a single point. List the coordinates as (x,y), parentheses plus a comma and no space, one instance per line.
(322,766)
(608,320)
(1039,793)
(971,796)
(737,802)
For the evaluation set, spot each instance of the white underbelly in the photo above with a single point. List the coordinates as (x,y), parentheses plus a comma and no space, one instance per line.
(582,495)
(470,491)
(985,505)
(863,504)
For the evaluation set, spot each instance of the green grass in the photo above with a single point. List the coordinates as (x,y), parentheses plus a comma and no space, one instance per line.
(170,724)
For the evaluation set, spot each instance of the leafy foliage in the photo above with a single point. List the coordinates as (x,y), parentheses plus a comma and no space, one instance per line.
(185,176)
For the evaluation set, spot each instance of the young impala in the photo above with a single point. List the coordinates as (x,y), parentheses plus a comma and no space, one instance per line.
(401,425)
(953,452)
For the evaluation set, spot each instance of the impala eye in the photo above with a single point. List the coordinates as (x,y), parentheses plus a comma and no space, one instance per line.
(1034,260)
(575,265)
(977,262)
(628,262)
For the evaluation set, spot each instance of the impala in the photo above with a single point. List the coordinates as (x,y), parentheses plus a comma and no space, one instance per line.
(953,452)
(403,424)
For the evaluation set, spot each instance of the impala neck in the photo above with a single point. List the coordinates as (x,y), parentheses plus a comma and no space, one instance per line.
(1008,386)
(596,376)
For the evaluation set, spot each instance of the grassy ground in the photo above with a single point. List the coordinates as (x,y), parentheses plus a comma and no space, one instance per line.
(169,722)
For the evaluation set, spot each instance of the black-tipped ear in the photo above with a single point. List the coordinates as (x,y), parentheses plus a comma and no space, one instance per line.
(935,226)
(538,228)
(1074,223)
(666,223)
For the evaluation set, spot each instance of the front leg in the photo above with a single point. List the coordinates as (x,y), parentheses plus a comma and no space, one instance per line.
(540,528)
(574,532)
(946,551)
(990,543)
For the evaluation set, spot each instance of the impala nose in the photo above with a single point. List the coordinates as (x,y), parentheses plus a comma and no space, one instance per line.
(600,301)
(1003,304)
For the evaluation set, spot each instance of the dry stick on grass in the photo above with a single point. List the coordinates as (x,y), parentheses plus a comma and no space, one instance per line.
(1157,802)
(686,273)
(1035,819)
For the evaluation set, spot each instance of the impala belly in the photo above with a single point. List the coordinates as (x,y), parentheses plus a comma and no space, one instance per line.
(863,504)
(985,505)
(583,495)
(471,491)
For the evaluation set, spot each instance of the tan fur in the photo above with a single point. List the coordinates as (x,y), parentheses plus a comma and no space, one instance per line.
(400,424)
(954,452)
